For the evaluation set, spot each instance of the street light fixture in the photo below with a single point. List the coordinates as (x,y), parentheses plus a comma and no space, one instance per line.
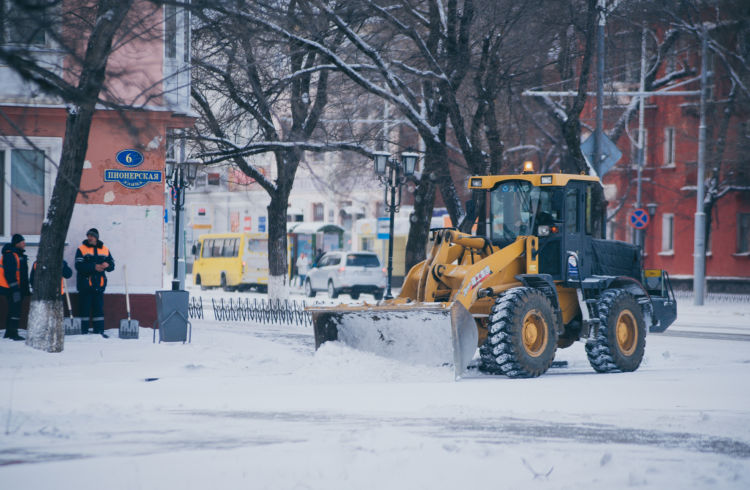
(179,176)
(393,181)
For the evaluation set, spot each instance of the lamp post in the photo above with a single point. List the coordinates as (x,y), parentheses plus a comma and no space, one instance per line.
(393,174)
(179,176)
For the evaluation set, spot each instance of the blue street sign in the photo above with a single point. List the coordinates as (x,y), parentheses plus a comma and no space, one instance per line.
(384,230)
(639,219)
(130,158)
(262,224)
(132,179)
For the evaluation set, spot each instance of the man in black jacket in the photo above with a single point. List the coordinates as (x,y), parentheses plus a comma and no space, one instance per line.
(14,282)
(92,261)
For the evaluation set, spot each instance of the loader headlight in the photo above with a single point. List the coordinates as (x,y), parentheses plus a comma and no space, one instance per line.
(475,182)
(543,230)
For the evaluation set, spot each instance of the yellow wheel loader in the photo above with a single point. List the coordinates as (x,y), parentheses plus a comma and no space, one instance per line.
(534,279)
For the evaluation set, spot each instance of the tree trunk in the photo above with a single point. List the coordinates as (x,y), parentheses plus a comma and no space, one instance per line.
(45,330)
(44,334)
(278,277)
(424,200)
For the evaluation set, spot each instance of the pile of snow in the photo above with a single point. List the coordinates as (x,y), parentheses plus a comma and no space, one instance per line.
(254,406)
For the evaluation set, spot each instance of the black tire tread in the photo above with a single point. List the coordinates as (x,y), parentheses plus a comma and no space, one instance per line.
(498,354)
(600,350)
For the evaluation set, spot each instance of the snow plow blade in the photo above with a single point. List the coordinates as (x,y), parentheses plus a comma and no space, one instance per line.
(435,334)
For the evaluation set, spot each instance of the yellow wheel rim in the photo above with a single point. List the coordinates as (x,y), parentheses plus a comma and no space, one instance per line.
(627,332)
(534,333)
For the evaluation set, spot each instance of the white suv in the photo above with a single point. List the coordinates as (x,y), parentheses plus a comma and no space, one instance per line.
(352,273)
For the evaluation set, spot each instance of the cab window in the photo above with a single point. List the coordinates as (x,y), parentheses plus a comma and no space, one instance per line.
(571,211)
(589,211)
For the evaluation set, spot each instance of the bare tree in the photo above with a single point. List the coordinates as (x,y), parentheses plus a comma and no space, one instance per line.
(261,91)
(80,89)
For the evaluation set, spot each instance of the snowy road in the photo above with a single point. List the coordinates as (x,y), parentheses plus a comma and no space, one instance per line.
(253,406)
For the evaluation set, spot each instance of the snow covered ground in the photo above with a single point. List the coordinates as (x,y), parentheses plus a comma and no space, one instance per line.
(253,406)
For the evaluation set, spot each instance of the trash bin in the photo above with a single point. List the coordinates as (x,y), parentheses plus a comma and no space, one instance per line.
(172,316)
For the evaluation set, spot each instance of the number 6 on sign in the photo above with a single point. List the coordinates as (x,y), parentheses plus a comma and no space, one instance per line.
(130,158)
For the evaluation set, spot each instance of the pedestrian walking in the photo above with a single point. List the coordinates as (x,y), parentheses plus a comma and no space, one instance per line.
(93,261)
(303,265)
(14,282)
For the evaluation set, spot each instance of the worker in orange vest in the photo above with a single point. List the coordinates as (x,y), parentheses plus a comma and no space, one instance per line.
(92,261)
(14,282)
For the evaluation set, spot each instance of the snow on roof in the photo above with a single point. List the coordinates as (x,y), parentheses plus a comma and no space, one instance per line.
(310,227)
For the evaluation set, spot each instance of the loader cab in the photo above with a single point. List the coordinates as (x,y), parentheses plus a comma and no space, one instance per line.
(562,216)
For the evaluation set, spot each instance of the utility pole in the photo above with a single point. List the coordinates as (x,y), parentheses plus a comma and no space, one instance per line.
(641,130)
(599,86)
(699,252)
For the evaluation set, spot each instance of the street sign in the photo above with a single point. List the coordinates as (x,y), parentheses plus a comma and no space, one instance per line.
(610,154)
(384,230)
(639,219)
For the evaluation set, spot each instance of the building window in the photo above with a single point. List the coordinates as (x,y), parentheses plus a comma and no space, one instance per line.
(177,56)
(318,211)
(669,148)
(743,233)
(214,178)
(635,152)
(667,232)
(170,31)
(25,183)
(25,23)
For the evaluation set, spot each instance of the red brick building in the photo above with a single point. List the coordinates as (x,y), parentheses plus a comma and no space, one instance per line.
(669,179)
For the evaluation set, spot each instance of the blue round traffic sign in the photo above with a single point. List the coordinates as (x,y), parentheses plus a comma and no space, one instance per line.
(130,158)
(639,219)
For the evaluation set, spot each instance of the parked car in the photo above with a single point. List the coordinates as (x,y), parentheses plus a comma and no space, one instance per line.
(351,273)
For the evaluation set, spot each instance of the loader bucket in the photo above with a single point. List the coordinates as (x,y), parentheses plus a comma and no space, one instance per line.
(434,334)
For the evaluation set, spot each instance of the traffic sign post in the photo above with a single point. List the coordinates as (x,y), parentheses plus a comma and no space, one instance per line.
(609,154)
(639,219)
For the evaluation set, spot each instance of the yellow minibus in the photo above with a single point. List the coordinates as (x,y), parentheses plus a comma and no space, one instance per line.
(231,261)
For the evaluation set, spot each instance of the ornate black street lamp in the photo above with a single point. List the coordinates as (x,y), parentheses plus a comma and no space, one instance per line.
(179,176)
(393,174)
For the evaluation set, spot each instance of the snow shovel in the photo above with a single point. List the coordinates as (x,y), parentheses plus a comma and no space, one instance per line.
(71,325)
(128,328)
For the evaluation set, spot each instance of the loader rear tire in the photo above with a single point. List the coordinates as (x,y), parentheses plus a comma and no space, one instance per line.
(521,335)
(621,339)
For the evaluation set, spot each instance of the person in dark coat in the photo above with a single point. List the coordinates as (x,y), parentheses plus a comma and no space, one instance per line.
(93,260)
(14,282)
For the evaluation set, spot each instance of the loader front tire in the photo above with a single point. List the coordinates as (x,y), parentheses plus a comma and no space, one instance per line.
(521,335)
(621,339)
